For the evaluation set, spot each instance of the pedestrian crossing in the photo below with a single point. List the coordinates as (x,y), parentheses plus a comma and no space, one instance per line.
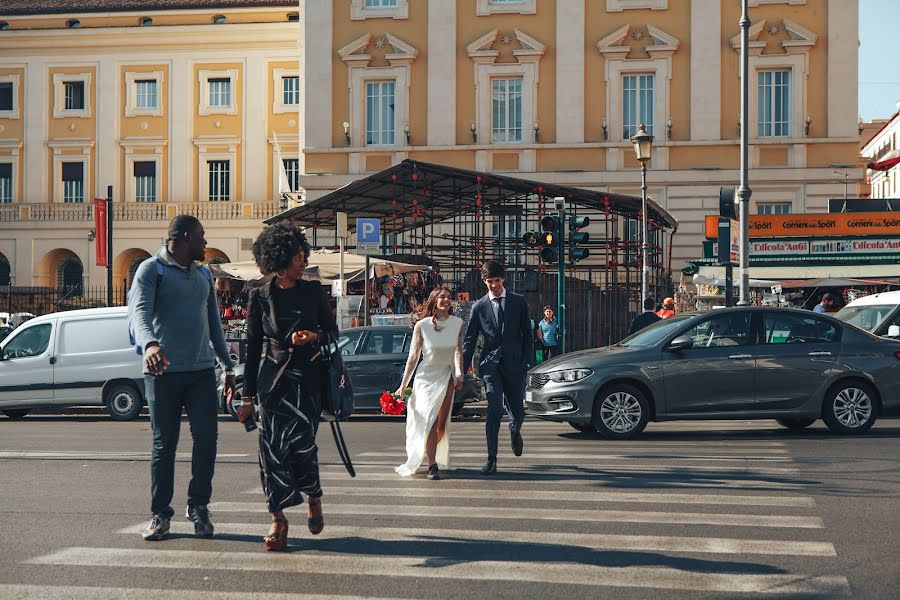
(573,517)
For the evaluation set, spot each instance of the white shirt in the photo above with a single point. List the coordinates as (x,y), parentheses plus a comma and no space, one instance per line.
(494,305)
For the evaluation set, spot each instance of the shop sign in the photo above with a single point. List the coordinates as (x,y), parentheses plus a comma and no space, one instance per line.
(865,246)
(779,248)
(815,225)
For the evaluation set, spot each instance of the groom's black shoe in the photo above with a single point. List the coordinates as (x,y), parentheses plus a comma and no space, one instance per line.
(517,443)
(434,473)
(490,467)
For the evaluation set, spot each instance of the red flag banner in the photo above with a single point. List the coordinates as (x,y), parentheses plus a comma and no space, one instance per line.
(100,231)
(885,165)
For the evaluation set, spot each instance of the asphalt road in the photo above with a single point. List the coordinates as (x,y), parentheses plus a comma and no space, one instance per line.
(689,510)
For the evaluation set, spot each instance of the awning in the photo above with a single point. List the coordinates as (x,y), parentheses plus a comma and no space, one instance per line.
(886,274)
(324,265)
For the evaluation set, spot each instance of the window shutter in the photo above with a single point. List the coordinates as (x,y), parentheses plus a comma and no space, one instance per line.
(73,171)
(145,169)
(5,170)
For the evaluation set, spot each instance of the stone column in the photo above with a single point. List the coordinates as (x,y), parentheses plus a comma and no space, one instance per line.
(441,98)
(570,51)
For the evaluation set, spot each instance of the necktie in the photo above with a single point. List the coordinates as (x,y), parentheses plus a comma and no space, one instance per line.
(499,302)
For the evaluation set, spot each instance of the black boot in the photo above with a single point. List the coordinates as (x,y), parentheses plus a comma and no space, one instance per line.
(516,440)
(490,467)
(433,473)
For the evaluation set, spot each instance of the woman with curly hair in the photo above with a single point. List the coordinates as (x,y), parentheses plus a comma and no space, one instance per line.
(295,317)
(437,338)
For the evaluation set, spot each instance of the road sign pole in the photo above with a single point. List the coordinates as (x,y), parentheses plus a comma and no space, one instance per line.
(109,246)
(561,275)
(366,299)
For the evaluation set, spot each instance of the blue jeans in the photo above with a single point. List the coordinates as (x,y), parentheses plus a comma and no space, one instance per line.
(167,394)
(499,385)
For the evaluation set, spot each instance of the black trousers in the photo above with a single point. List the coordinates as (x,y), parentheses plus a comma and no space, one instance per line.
(288,455)
(167,395)
(499,385)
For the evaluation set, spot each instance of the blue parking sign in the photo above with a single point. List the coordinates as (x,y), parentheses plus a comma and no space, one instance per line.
(368,236)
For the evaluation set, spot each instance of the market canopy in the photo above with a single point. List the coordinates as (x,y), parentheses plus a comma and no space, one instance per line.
(440,192)
(324,265)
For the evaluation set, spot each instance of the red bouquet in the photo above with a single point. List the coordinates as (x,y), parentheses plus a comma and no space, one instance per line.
(393,404)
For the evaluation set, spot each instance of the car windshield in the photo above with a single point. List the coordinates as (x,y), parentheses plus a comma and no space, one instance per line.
(650,335)
(867,317)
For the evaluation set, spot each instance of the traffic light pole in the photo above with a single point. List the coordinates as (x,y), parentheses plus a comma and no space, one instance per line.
(561,279)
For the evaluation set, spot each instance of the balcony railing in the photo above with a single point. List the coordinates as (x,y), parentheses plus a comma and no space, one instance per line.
(9,212)
(61,212)
(142,211)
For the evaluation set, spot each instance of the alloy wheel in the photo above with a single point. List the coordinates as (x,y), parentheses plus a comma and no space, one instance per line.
(620,412)
(852,407)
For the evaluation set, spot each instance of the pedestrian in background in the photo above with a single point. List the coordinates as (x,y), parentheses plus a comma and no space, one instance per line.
(175,321)
(294,316)
(648,317)
(548,334)
(667,310)
(826,304)
(501,318)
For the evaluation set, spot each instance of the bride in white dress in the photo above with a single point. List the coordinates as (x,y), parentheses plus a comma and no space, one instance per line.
(437,337)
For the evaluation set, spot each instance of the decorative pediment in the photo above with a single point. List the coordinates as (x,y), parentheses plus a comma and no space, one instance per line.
(755,45)
(615,45)
(801,38)
(482,50)
(354,54)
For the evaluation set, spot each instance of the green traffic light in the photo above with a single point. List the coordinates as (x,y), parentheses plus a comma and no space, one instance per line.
(550,255)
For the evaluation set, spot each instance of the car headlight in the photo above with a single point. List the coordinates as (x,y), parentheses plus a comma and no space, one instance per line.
(568,375)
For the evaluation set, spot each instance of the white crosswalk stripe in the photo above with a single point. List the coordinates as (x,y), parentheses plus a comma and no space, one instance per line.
(69,592)
(690,516)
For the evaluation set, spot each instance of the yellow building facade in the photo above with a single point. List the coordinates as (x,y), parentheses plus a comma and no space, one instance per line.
(551,90)
(179,110)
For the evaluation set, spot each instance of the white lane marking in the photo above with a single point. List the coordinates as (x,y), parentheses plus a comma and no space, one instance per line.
(417,567)
(76,455)
(557,514)
(588,449)
(551,454)
(68,592)
(660,543)
(586,466)
(594,496)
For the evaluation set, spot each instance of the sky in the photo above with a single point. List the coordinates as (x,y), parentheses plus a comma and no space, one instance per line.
(879,74)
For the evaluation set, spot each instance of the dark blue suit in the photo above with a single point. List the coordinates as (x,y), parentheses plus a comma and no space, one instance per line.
(506,355)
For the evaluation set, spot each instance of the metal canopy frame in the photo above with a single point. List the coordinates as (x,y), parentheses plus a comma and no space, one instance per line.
(459,218)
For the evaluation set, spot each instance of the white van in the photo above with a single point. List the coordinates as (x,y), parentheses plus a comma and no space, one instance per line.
(79,357)
(877,313)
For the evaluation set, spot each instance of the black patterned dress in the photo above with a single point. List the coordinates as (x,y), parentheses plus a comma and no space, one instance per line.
(290,403)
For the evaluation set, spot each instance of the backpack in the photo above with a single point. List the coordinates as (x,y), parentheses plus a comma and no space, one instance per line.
(160,269)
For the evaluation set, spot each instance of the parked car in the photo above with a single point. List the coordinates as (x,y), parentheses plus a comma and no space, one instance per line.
(877,313)
(735,363)
(74,358)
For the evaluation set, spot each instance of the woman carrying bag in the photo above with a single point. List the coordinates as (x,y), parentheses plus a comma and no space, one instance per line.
(295,317)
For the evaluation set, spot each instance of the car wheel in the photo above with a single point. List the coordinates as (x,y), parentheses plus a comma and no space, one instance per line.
(795,424)
(583,427)
(123,402)
(620,412)
(850,407)
(16,413)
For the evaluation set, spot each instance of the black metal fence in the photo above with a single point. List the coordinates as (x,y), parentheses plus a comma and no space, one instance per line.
(43,300)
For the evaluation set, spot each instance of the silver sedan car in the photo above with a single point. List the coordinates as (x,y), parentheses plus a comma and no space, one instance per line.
(737,363)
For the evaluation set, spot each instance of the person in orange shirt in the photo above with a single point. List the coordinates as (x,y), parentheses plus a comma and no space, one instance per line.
(668,309)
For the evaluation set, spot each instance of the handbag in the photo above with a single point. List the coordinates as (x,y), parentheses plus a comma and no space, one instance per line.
(337,397)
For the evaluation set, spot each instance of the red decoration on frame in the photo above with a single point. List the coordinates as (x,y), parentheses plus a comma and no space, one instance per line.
(415,202)
(394,177)
(393,203)
(478,179)
(415,177)
(540,190)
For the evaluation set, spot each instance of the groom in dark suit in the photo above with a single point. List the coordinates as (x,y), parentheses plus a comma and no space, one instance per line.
(501,318)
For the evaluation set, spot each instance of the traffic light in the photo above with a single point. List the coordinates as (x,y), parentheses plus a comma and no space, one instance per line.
(550,240)
(577,237)
(726,203)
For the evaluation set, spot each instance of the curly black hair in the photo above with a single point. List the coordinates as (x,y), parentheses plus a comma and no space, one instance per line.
(277,245)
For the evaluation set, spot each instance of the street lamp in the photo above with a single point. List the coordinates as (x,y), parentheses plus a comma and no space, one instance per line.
(643,145)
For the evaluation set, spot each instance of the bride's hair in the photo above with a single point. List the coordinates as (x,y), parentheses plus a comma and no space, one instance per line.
(427,308)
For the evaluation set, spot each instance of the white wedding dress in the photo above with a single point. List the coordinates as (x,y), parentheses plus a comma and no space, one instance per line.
(441,349)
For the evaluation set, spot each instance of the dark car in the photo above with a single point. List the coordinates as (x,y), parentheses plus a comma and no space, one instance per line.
(794,366)
(376,357)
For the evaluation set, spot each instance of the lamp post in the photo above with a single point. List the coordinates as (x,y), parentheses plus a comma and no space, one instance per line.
(744,191)
(643,145)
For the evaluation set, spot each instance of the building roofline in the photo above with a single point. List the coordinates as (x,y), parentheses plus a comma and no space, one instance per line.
(57,8)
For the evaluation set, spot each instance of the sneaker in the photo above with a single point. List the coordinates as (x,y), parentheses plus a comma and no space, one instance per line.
(200,516)
(434,473)
(157,529)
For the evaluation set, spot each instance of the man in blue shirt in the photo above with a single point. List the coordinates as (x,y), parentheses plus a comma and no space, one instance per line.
(825,305)
(548,331)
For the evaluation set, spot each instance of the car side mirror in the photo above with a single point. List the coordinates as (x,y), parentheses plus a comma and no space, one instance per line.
(682,342)
(894,331)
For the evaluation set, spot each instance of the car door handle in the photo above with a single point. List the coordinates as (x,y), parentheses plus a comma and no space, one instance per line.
(350,367)
(740,356)
(399,364)
(52,360)
(823,353)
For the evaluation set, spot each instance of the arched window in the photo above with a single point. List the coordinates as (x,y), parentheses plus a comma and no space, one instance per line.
(4,271)
(70,276)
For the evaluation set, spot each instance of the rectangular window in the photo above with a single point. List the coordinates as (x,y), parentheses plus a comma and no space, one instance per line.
(74,95)
(773,103)
(290,88)
(73,182)
(6,95)
(774,208)
(5,183)
(220,92)
(145,93)
(380,117)
(507,231)
(507,1)
(637,103)
(506,110)
(219,180)
(381,3)
(145,181)
(292,170)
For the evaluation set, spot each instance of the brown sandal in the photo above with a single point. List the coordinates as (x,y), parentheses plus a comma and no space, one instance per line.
(315,521)
(277,538)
